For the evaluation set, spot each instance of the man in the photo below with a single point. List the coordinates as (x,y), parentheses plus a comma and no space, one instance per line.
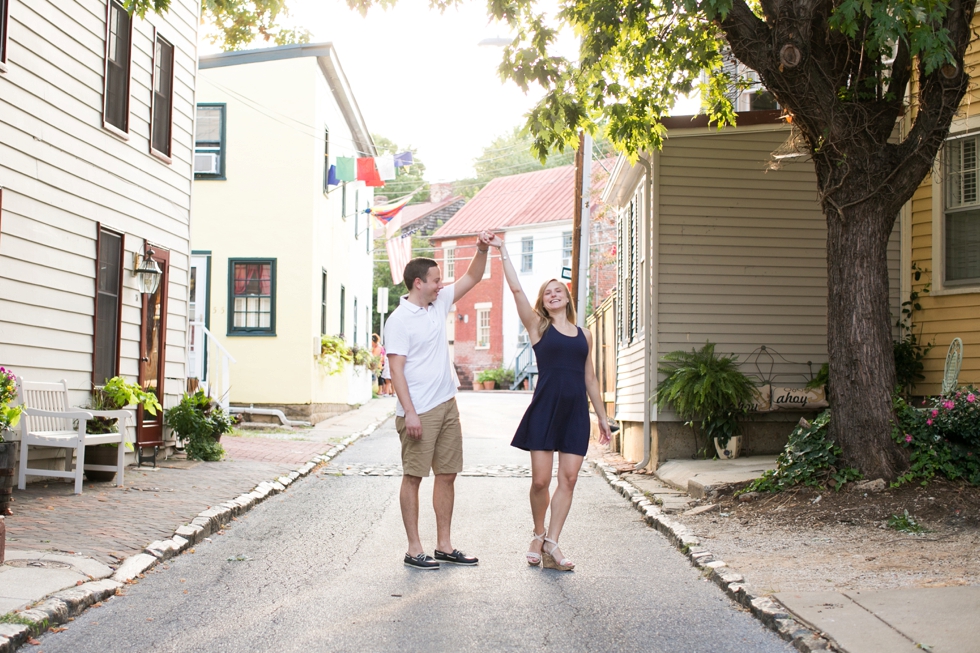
(425,383)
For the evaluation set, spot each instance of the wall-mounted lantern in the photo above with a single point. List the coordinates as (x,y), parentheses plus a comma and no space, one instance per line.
(147,272)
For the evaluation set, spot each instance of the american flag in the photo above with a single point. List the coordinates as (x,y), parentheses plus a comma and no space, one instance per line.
(399,254)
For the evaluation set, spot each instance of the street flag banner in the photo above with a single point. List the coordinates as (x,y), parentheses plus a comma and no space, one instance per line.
(368,173)
(332,176)
(403,160)
(385,212)
(345,168)
(399,254)
(386,167)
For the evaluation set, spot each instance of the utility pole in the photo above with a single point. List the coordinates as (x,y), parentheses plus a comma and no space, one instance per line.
(580,231)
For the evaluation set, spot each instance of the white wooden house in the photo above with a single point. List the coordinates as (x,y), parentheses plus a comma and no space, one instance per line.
(717,245)
(96,148)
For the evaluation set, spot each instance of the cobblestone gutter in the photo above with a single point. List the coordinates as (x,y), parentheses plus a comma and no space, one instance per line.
(768,611)
(69,603)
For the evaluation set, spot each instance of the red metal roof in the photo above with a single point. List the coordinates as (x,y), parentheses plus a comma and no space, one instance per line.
(529,198)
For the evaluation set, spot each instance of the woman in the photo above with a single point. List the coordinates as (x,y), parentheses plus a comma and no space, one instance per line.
(558,417)
(384,378)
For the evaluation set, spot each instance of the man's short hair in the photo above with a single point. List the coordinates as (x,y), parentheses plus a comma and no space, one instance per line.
(418,268)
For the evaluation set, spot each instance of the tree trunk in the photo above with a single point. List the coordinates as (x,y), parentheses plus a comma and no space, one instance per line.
(859,340)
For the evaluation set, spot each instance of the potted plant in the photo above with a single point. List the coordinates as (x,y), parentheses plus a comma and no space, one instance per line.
(334,354)
(116,394)
(709,393)
(9,417)
(486,378)
(504,376)
(199,422)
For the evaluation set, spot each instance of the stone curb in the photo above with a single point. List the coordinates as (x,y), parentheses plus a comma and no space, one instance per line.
(59,607)
(767,610)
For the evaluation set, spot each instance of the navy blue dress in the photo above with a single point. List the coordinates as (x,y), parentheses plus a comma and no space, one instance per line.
(558,417)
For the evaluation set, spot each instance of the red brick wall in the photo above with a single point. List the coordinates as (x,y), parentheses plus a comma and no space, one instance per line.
(470,360)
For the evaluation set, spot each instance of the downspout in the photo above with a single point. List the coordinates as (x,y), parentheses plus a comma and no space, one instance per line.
(648,325)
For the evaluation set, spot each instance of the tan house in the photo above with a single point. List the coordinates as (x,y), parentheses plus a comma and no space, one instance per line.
(714,244)
(941,236)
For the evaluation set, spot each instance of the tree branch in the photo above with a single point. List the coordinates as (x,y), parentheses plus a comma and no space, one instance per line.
(748,36)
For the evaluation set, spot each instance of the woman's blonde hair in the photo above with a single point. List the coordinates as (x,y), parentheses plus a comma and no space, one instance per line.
(543,313)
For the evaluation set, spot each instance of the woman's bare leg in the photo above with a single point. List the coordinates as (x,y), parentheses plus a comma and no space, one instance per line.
(568,468)
(542,463)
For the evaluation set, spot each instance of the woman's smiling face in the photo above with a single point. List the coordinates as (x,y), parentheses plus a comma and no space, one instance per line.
(555,296)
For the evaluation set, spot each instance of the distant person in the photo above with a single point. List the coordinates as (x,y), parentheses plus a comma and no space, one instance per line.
(425,384)
(558,417)
(379,351)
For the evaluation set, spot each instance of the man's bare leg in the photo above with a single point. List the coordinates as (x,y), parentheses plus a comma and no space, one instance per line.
(443,497)
(409,500)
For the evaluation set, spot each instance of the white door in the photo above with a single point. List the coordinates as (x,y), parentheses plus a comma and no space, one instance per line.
(197,347)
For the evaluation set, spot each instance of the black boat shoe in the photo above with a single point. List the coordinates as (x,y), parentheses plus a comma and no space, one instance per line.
(457,557)
(421,561)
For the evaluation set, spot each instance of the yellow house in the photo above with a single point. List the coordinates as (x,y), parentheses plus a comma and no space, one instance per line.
(280,257)
(943,239)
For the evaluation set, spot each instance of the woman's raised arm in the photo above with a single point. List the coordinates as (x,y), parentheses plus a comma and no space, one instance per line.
(529,318)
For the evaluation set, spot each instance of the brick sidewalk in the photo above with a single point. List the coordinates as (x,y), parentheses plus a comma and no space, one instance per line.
(292,452)
(109,523)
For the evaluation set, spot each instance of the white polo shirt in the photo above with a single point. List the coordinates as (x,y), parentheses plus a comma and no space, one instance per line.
(419,334)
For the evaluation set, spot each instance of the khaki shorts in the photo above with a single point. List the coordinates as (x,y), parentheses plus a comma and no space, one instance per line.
(441,446)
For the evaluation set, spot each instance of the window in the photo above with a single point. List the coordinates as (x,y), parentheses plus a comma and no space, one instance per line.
(326,160)
(3,34)
(527,254)
(209,142)
(343,302)
(115,112)
(962,215)
(163,97)
(252,296)
(108,306)
(354,340)
(357,221)
(566,249)
(323,303)
(482,326)
(449,259)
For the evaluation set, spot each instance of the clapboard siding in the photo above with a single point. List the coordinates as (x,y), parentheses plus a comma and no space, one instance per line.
(742,252)
(629,382)
(62,174)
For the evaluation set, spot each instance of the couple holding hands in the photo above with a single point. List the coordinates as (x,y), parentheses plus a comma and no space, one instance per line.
(427,420)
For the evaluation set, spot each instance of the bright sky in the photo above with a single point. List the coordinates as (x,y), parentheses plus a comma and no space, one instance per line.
(420,78)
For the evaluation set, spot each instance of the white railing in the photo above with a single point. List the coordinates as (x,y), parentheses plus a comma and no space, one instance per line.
(217,379)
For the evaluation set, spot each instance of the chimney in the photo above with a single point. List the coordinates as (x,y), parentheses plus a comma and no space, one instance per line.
(441,191)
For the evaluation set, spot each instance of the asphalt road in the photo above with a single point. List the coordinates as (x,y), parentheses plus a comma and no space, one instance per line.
(319,568)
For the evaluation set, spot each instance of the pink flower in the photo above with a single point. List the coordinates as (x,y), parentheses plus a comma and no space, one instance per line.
(935,413)
(971,397)
(908,438)
(929,422)
(948,404)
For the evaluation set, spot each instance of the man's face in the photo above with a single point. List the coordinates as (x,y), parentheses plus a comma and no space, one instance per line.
(431,286)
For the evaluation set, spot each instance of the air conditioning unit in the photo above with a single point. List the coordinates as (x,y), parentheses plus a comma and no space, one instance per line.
(206,163)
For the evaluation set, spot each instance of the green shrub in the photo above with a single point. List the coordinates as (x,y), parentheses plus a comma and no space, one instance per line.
(198,422)
(810,459)
(942,439)
(504,376)
(705,388)
(484,376)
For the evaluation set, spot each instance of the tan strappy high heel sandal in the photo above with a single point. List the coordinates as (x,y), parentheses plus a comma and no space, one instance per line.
(533,558)
(549,561)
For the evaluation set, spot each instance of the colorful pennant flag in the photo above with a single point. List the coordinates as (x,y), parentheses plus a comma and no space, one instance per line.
(385,212)
(399,254)
(403,160)
(332,176)
(386,167)
(346,168)
(368,173)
